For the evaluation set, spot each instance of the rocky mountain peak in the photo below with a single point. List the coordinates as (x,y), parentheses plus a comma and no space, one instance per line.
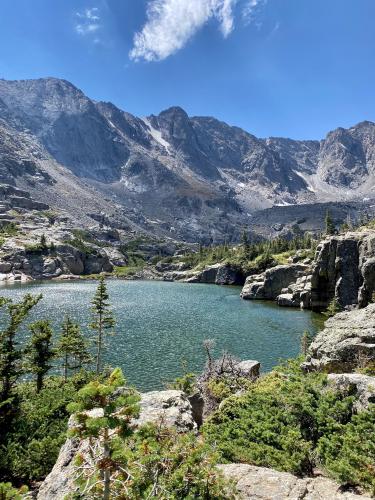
(191,175)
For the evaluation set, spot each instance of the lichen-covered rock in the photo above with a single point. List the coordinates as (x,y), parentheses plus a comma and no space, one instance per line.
(363,386)
(347,338)
(260,483)
(171,408)
(268,285)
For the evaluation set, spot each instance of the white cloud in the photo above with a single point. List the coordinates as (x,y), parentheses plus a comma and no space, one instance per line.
(88,21)
(250,8)
(171,23)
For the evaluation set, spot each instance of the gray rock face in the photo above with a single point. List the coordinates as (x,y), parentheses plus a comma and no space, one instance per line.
(297,294)
(23,263)
(347,339)
(184,177)
(219,274)
(363,386)
(260,483)
(170,408)
(270,284)
(345,269)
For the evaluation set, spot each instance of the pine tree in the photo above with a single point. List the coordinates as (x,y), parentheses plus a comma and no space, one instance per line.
(329,225)
(103,321)
(39,351)
(333,308)
(72,347)
(43,241)
(118,412)
(10,355)
(245,242)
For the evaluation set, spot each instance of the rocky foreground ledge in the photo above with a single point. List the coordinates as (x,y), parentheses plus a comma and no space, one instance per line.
(170,407)
(260,483)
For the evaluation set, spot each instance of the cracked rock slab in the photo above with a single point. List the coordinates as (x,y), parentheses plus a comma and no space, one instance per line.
(260,483)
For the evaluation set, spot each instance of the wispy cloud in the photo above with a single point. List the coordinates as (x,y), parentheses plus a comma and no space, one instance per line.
(87,21)
(172,23)
(250,9)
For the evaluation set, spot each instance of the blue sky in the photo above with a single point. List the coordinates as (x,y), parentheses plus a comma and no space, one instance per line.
(292,68)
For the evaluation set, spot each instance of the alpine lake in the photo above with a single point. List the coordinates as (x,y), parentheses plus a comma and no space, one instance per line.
(161,326)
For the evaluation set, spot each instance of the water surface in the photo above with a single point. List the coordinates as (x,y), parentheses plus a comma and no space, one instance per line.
(161,325)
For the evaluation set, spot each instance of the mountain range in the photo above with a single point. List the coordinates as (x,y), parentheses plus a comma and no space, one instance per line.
(188,178)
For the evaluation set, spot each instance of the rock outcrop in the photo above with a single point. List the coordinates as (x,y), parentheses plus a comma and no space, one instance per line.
(219,274)
(297,294)
(347,341)
(260,483)
(171,408)
(363,386)
(26,262)
(344,269)
(270,284)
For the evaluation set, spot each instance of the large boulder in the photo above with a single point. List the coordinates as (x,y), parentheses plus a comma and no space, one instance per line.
(260,483)
(363,386)
(170,408)
(270,284)
(346,340)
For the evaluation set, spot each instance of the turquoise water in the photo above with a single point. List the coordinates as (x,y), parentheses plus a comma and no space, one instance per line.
(161,325)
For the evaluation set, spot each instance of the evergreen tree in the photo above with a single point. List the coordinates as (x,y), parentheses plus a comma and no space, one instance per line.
(72,347)
(10,355)
(329,225)
(333,308)
(245,242)
(43,241)
(39,351)
(118,411)
(103,320)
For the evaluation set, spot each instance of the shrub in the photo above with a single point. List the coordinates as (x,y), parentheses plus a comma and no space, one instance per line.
(349,455)
(279,421)
(185,383)
(160,463)
(9,229)
(7,492)
(39,430)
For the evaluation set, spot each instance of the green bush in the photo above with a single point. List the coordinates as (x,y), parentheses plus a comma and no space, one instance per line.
(185,383)
(7,492)
(166,465)
(279,421)
(9,229)
(39,429)
(349,454)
